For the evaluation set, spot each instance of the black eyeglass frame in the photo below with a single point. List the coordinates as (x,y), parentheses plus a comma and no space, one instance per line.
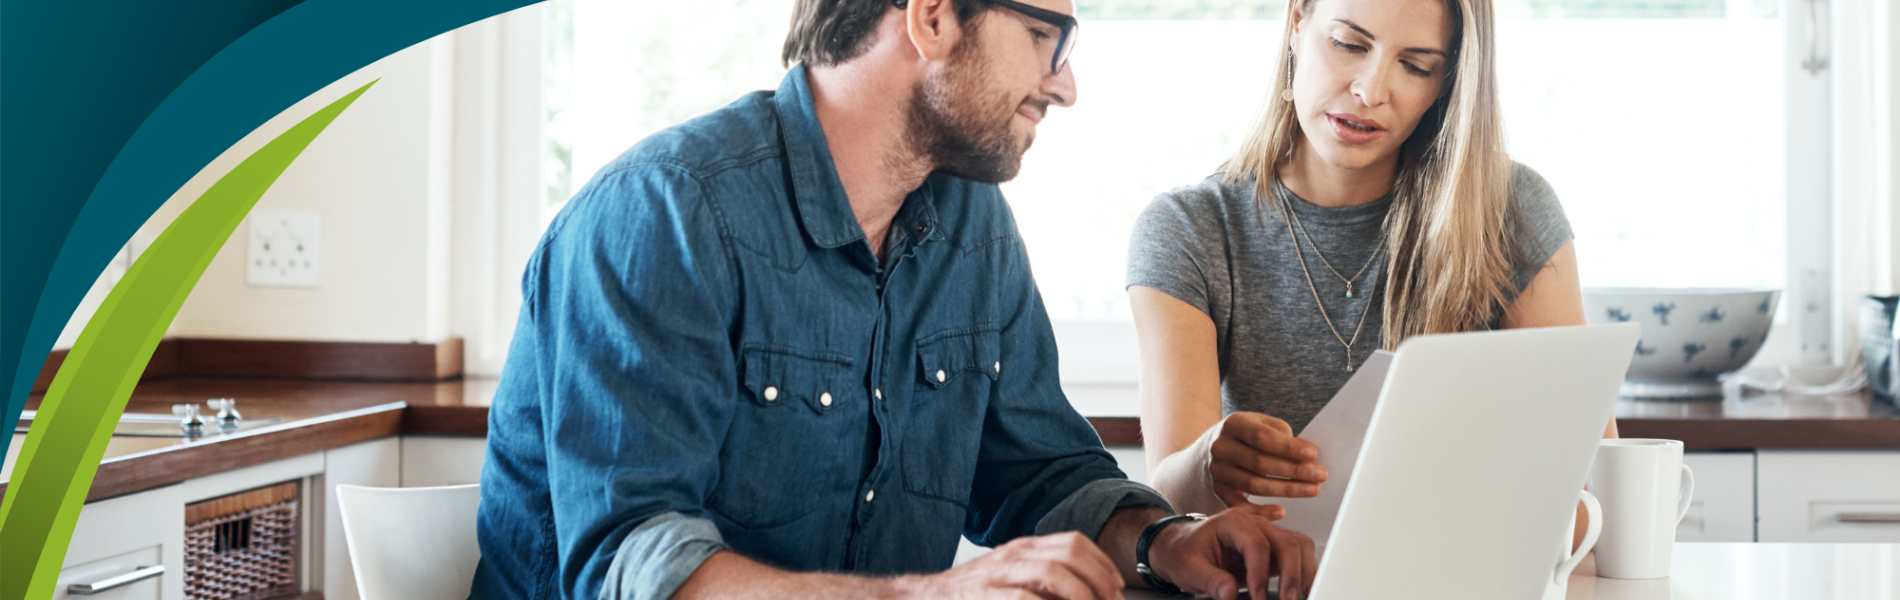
(1065,45)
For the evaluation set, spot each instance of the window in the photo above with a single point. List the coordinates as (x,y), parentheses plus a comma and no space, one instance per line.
(1663,125)
(639,67)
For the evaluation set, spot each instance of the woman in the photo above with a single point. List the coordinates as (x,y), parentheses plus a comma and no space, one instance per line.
(1373,202)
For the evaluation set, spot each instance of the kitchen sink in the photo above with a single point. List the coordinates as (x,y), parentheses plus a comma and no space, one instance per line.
(163,426)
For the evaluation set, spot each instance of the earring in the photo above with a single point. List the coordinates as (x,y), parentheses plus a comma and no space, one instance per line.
(1287,93)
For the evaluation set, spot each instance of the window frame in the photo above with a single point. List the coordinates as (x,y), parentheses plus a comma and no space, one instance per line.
(1097,354)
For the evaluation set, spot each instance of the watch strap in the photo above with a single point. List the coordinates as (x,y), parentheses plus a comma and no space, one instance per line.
(1142,564)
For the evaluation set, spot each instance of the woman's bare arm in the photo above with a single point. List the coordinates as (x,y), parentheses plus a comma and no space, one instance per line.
(1180,394)
(1198,459)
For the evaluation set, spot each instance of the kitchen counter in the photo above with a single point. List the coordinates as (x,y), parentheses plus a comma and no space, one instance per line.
(1736,422)
(1743,571)
(320,415)
(317,415)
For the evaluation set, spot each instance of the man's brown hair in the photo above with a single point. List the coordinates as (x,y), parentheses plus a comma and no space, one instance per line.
(829,32)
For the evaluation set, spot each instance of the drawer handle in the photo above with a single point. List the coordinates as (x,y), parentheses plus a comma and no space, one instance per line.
(142,574)
(1869,517)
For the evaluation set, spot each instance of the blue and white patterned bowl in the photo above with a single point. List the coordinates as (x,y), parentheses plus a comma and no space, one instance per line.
(1691,336)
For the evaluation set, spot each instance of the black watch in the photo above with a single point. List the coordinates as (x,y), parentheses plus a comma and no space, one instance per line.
(1147,538)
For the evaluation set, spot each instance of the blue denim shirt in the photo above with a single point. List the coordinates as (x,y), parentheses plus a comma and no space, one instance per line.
(709,356)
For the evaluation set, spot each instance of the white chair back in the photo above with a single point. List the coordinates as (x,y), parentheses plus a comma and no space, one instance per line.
(411,543)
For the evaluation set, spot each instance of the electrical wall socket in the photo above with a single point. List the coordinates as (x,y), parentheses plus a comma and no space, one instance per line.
(284,249)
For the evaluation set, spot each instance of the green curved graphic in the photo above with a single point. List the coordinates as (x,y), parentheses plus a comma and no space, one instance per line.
(63,448)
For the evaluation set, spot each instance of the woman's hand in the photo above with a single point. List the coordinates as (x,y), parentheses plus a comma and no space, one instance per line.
(1257,454)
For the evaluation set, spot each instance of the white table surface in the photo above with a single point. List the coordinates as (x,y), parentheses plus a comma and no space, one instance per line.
(1745,571)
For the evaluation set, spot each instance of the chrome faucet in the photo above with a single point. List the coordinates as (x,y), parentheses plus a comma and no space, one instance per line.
(193,424)
(228,416)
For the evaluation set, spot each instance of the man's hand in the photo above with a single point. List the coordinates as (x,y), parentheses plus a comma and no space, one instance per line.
(1062,566)
(1206,556)
(1256,454)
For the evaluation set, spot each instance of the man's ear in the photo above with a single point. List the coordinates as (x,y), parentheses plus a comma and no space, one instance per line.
(933,27)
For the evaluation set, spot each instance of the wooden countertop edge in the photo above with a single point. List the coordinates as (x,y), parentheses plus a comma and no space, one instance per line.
(142,471)
(1695,434)
(1769,434)
(470,421)
(146,470)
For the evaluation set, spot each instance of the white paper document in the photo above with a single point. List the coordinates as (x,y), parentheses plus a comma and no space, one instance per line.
(1339,431)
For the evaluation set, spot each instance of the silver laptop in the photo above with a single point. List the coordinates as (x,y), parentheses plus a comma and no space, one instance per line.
(1467,484)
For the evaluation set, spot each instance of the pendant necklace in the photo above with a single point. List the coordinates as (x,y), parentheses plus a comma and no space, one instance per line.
(1351,282)
(1286,203)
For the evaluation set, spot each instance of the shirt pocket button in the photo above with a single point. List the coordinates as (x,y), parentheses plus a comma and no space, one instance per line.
(825,399)
(770,394)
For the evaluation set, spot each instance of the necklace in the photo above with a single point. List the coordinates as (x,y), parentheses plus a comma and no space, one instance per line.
(1287,204)
(1351,282)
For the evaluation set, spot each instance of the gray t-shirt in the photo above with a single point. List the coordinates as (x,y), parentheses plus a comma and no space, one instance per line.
(1210,246)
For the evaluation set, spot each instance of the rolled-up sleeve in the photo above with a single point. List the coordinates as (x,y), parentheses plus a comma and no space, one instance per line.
(635,297)
(1088,509)
(658,556)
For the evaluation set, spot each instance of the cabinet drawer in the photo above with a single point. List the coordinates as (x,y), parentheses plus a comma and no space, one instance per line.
(1829,496)
(103,570)
(1723,509)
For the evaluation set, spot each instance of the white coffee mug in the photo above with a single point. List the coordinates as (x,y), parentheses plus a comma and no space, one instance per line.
(1645,490)
(1559,584)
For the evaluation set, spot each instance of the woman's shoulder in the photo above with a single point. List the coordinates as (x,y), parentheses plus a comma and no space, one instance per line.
(1539,219)
(1533,199)
(1210,192)
(1187,226)
(1204,203)
(1532,194)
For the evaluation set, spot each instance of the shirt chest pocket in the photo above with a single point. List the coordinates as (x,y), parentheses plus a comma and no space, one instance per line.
(957,370)
(789,444)
(778,376)
(945,358)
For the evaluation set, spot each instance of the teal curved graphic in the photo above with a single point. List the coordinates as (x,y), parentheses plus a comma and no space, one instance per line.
(76,417)
(112,105)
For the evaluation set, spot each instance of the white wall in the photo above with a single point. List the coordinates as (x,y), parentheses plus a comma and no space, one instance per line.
(429,194)
(1866,124)
(379,179)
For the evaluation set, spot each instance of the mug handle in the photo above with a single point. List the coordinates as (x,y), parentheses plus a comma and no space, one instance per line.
(1594,512)
(1688,493)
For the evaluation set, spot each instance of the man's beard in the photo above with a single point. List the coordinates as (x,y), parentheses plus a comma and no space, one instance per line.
(952,123)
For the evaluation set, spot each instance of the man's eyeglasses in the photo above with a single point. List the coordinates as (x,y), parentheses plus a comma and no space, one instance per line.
(1065,42)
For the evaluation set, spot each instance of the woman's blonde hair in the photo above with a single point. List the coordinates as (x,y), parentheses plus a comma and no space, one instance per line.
(1450,254)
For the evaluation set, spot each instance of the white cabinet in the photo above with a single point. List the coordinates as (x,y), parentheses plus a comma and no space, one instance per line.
(1829,496)
(120,536)
(375,463)
(1133,462)
(1723,509)
(434,460)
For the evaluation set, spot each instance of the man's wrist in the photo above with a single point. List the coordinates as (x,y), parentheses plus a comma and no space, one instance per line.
(1159,539)
(1120,533)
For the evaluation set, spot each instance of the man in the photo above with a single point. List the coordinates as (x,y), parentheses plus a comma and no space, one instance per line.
(792,349)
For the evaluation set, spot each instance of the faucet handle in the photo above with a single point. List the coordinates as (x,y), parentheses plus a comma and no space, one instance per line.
(191,419)
(227,410)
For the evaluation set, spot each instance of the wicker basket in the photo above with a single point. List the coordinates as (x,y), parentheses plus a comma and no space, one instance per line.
(242,546)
